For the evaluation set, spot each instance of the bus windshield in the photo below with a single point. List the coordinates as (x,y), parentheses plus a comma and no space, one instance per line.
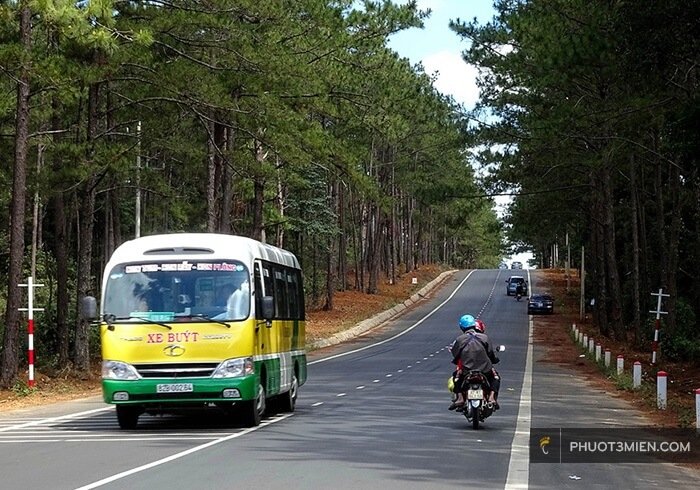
(178,291)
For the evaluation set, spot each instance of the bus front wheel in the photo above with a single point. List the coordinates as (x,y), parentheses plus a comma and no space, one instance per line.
(253,410)
(288,400)
(128,416)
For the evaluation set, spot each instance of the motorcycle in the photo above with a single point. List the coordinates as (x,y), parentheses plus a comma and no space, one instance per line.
(476,408)
(518,295)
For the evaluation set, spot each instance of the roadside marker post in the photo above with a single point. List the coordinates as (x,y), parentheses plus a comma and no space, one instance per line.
(657,324)
(637,374)
(607,358)
(591,345)
(661,383)
(598,348)
(620,364)
(697,409)
(30,285)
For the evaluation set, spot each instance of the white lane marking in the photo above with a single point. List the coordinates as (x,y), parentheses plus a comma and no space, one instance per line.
(317,404)
(179,455)
(54,419)
(375,381)
(362,387)
(519,465)
(403,332)
(409,366)
(400,371)
(341,394)
(389,375)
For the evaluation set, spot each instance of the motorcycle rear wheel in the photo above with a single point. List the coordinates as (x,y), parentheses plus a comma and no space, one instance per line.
(474,414)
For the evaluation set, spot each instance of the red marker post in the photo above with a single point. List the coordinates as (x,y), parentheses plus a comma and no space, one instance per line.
(30,327)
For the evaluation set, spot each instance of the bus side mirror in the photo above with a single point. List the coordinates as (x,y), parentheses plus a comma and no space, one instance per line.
(88,308)
(268,308)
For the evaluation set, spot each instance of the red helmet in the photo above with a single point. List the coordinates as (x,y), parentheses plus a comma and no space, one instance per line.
(480,326)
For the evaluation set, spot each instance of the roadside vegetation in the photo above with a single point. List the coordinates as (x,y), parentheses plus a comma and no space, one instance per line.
(288,122)
(589,114)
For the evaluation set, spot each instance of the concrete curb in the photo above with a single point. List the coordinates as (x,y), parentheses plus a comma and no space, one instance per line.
(380,318)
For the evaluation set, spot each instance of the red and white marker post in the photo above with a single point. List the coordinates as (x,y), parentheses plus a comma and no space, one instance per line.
(655,344)
(30,327)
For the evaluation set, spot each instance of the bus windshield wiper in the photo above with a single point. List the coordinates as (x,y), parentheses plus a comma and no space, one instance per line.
(111,319)
(211,320)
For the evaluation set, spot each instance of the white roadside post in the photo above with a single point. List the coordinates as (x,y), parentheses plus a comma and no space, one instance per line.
(585,341)
(30,325)
(661,379)
(598,349)
(697,409)
(620,364)
(591,345)
(607,358)
(637,374)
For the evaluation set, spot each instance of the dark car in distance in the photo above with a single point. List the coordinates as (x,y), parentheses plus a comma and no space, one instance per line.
(540,303)
(513,281)
(516,265)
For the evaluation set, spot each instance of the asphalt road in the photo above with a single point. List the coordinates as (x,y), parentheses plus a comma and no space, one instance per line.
(372,415)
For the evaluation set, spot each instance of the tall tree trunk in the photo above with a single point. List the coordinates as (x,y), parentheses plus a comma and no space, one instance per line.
(258,232)
(342,241)
(672,246)
(634,226)
(212,180)
(86,228)
(331,252)
(600,310)
(9,360)
(221,135)
(281,201)
(615,300)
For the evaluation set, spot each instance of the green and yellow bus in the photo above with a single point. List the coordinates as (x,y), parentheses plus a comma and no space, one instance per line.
(200,320)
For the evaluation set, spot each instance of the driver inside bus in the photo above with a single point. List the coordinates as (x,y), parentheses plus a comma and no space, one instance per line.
(237,303)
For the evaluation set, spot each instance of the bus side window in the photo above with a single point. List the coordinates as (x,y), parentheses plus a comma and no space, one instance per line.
(263,286)
(258,290)
(281,306)
(295,295)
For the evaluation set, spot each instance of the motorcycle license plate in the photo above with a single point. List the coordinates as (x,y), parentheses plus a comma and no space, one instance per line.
(175,388)
(475,394)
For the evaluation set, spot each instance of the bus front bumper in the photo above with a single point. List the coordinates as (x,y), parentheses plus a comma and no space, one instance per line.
(184,390)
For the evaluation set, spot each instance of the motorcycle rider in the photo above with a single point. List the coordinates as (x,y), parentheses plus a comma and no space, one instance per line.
(472,351)
(519,290)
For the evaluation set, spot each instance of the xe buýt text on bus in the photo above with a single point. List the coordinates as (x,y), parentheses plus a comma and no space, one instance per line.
(200,320)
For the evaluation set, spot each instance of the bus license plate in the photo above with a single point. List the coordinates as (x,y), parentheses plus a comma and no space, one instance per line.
(475,394)
(175,388)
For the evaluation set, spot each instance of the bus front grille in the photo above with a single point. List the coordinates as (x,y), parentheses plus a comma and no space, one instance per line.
(176,371)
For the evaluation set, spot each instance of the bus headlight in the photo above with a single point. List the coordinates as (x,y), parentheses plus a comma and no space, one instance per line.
(234,368)
(119,370)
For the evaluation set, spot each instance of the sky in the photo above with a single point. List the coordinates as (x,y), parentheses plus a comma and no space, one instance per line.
(439,49)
